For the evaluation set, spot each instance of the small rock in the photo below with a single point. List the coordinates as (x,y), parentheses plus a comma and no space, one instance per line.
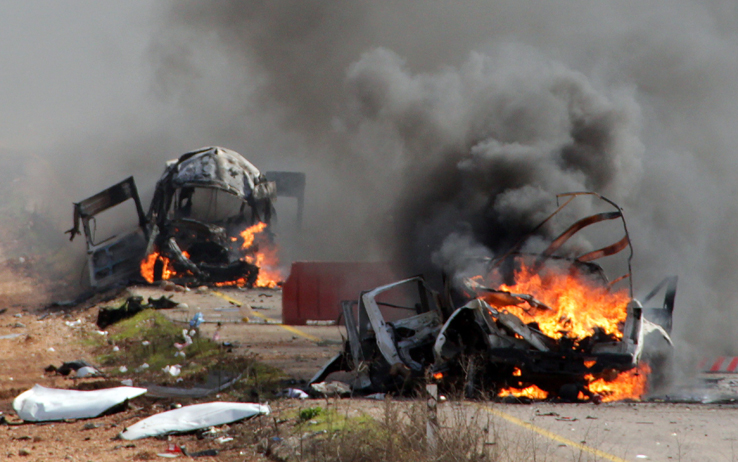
(19,324)
(24,452)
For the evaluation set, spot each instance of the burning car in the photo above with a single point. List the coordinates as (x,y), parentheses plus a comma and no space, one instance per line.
(539,325)
(208,222)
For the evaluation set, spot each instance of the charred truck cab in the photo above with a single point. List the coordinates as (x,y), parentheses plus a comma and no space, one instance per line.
(201,203)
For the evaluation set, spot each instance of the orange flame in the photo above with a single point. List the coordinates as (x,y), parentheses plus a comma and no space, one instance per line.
(258,250)
(577,304)
(147,267)
(249,234)
(532,392)
(261,252)
(632,384)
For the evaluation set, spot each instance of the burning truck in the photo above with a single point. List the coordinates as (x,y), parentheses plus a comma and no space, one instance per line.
(537,325)
(208,222)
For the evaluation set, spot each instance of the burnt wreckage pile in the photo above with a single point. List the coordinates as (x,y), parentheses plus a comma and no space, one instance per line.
(202,202)
(550,322)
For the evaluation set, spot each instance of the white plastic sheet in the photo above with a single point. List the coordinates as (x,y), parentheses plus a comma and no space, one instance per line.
(189,418)
(41,404)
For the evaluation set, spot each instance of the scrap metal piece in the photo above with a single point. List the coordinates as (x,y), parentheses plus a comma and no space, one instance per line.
(422,326)
(117,257)
(290,184)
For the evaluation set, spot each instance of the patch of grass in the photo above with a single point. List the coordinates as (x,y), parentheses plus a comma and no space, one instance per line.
(330,435)
(149,337)
(310,413)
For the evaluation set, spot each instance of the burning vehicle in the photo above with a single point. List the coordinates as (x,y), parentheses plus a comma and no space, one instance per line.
(208,222)
(537,325)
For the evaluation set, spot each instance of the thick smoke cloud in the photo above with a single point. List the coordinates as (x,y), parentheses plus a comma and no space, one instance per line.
(437,128)
(487,146)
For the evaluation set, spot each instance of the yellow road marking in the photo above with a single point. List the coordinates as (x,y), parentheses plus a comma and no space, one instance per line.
(226,298)
(552,435)
(294,330)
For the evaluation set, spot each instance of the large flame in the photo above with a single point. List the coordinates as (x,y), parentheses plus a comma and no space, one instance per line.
(249,235)
(532,392)
(261,252)
(577,304)
(630,384)
(574,307)
(147,267)
(257,247)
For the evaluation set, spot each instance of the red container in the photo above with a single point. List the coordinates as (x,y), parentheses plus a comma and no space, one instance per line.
(314,290)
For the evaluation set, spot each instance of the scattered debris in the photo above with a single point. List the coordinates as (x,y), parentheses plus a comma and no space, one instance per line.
(215,382)
(293,393)
(194,417)
(174,370)
(131,306)
(196,320)
(10,336)
(68,367)
(43,404)
(172,450)
(87,371)
(331,388)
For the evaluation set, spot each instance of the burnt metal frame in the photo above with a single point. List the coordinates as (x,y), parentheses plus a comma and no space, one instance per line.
(118,256)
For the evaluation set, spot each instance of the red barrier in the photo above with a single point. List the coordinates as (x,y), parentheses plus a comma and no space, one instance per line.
(314,290)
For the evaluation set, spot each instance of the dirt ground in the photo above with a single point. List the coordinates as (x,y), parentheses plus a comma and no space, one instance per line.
(33,336)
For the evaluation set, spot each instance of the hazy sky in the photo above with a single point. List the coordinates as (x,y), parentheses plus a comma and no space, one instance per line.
(68,67)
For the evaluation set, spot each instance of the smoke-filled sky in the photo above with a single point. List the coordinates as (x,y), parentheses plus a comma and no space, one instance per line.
(424,129)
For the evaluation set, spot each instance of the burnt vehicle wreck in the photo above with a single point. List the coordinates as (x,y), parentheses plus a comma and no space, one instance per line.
(200,225)
(537,325)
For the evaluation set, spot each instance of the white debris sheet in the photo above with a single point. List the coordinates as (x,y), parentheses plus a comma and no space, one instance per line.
(41,404)
(194,417)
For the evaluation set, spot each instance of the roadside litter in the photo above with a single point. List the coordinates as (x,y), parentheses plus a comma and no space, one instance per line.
(174,370)
(216,381)
(80,366)
(42,404)
(334,388)
(133,305)
(293,393)
(194,417)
